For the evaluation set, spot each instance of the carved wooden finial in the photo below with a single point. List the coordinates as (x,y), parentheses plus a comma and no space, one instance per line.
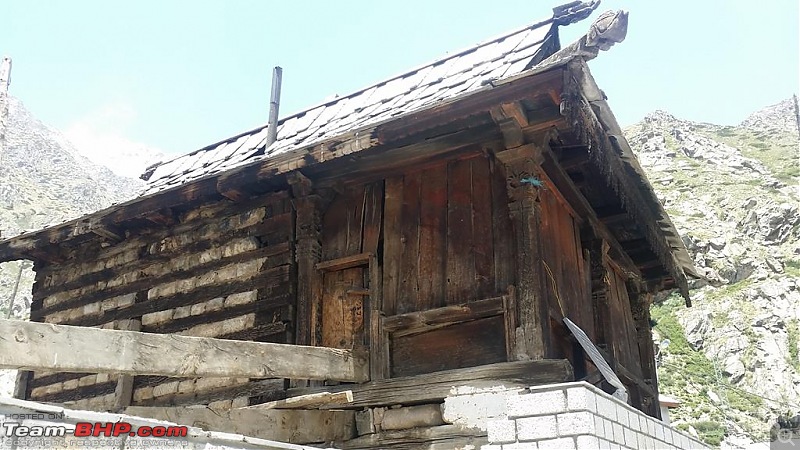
(610,28)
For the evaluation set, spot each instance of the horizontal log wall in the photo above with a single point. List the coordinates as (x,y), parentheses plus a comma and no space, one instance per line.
(224,271)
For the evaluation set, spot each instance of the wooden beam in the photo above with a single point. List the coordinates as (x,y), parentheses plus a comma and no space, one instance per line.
(347,262)
(544,119)
(441,437)
(293,426)
(423,321)
(165,217)
(63,348)
(439,385)
(510,126)
(516,111)
(310,401)
(615,218)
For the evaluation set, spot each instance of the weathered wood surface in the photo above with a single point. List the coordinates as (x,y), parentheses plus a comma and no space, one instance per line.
(564,277)
(573,197)
(522,163)
(309,206)
(343,309)
(441,437)
(624,337)
(443,235)
(32,346)
(431,319)
(123,395)
(310,401)
(345,262)
(466,344)
(439,385)
(293,426)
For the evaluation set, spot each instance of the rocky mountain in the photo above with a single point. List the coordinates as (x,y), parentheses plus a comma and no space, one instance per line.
(44,180)
(732,192)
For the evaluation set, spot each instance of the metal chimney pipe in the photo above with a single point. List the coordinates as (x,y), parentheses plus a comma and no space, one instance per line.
(274,104)
(5,80)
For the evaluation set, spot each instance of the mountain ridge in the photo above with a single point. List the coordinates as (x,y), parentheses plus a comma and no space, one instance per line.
(731,191)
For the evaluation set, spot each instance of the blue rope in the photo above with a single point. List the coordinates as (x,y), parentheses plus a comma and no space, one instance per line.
(533,181)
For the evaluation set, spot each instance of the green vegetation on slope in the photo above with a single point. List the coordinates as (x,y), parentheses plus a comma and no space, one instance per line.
(689,375)
(776,151)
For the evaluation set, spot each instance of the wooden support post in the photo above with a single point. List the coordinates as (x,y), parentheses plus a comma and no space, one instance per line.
(63,348)
(378,339)
(522,165)
(598,250)
(640,307)
(309,206)
(21,385)
(123,394)
(308,252)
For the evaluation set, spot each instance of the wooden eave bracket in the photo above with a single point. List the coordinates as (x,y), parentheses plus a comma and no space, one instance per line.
(93,225)
(511,118)
(165,217)
(301,184)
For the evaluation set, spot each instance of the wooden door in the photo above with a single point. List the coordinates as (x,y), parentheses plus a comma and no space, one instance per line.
(344,299)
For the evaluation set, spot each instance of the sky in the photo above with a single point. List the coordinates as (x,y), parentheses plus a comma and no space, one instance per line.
(177,75)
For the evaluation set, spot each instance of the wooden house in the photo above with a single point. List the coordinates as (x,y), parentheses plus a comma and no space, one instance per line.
(433,229)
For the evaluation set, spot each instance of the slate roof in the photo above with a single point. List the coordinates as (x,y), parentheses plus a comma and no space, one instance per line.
(418,89)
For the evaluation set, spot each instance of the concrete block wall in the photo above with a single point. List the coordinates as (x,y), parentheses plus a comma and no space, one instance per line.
(579,416)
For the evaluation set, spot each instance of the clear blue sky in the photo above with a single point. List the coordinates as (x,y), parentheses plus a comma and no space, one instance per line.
(178,75)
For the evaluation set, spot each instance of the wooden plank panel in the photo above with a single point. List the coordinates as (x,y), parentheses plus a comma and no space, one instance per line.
(460,236)
(483,250)
(625,348)
(334,228)
(563,258)
(373,213)
(38,346)
(392,243)
(502,233)
(409,272)
(582,285)
(355,219)
(548,248)
(464,345)
(343,309)
(432,237)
